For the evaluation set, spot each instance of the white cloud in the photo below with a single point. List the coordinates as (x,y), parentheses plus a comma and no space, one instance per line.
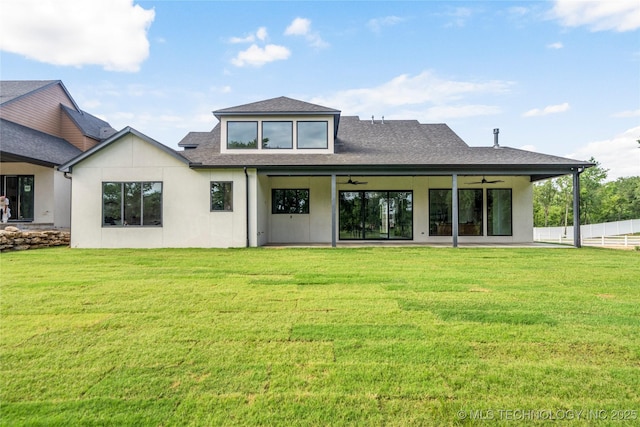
(551,109)
(260,34)
(256,56)
(556,45)
(302,27)
(599,15)
(627,114)
(619,154)
(298,27)
(529,148)
(426,92)
(77,32)
(376,24)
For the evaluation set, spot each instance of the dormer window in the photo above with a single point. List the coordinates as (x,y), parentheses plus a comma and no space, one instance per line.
(277,135)
(312,134)
(278,126)
(242,135)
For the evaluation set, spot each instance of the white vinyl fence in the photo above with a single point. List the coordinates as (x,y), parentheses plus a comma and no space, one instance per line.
(618,233)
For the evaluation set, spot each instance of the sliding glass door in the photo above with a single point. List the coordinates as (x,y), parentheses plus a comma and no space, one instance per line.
(19,189)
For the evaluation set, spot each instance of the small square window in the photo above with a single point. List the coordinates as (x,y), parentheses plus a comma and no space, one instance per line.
(222,196)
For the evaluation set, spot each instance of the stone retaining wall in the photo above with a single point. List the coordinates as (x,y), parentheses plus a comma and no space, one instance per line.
(12,239)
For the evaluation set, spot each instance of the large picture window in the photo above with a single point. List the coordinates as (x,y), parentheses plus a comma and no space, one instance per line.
(469,212)
(290,201)
(131,204)
(376,215)
(242,135)
(277,134)
(222,196)
(499,212)
(312,135)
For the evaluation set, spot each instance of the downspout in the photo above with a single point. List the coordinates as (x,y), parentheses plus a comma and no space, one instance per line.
(576,208)
(69,176)
(246,203)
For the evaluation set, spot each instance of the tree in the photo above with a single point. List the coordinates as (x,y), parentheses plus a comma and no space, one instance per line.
(591,183)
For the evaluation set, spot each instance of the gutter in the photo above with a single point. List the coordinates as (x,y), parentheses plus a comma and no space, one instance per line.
(246,192)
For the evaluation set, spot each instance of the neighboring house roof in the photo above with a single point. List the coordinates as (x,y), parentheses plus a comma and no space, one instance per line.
(23,144)
(90,125)
(11,90)
(390,147)
(68,166)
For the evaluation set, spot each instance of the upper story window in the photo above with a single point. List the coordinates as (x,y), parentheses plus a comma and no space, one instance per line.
(313,135)
(241,135)
(277,134)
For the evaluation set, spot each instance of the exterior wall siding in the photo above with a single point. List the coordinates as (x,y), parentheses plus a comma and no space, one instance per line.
(40,110)
(189,222)
(73,135)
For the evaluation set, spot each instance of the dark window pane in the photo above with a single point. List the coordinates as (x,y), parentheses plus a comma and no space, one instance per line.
(290,201)
(375,215)
(111,203)
(132,203)
(242,134)
(221,196)
(440,217)
(277,135)
(499,212)
(152,203)
(470,212)
(350,214)
(312,135)
(400,215)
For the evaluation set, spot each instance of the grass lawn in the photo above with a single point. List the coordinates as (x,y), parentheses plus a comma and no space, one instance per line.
(320,336)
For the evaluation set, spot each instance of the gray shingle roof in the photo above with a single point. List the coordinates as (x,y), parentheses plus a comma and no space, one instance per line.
(281,104)
(394,145)
(20,143)
(90,125)
(12,89)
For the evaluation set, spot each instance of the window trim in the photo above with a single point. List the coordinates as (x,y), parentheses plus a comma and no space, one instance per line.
(211,208)
(123,203)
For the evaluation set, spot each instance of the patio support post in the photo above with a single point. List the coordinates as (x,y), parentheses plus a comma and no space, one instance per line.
(576,208)
(333,210)
(454,208)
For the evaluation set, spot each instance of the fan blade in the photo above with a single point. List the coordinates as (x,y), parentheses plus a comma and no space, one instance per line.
(493,182)
(477,182)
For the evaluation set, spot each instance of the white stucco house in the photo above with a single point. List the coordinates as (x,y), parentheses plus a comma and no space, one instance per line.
(283,171)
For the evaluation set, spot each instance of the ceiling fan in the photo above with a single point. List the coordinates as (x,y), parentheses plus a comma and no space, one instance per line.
(352,182)
(484,181)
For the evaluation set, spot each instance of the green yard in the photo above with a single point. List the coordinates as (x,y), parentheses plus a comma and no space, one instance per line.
(319,336)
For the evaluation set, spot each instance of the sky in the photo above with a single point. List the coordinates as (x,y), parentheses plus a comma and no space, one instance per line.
(559,77)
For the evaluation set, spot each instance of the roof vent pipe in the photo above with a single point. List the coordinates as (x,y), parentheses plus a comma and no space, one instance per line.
(496,131)
(382,119)
(371,119)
